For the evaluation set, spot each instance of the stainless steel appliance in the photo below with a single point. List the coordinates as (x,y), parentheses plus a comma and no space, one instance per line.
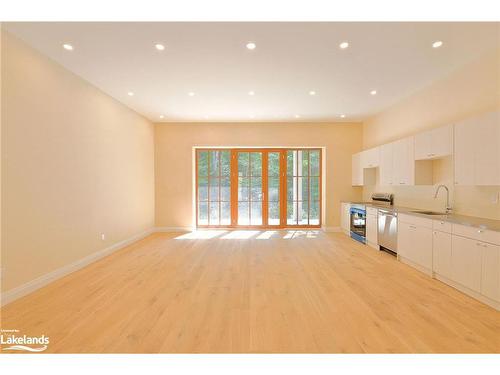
(388,230)
(358,222)
(387,222)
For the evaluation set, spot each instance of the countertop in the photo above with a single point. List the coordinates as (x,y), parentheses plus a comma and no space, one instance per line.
(472,221)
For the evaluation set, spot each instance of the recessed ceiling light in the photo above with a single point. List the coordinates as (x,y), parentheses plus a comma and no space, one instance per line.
(373,92)
(342,116)
(312,93)
(159,47)
(297,116)
(252,116)
(251,45)
(161,116)
(344,45)
(191,93)
(437,44)
(251,93)
(130,93)
(68,47)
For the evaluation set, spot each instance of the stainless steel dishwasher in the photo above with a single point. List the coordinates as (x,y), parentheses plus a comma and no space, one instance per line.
(388,230)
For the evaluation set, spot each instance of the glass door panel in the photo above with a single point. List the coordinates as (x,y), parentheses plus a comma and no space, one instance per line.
(273,188)
(303,187)
(250,193)
(213,187)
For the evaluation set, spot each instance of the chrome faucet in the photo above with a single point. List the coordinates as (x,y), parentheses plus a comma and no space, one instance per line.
(448,207)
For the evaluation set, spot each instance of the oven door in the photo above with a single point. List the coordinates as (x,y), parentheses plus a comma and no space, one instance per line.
(358,224)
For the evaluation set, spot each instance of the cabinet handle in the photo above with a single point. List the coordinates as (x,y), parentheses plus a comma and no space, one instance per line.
(413,227)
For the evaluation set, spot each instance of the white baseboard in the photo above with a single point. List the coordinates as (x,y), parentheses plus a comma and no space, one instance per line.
(173,229)
(332,229)
(50,277)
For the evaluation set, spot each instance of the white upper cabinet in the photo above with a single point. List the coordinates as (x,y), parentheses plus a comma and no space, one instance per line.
(442,141)
(403,162)
(474,144)
(477,150)
(370,158)
(365,160)
(464,153)
(487,155)
(357,170)
(386,165)
(435,143)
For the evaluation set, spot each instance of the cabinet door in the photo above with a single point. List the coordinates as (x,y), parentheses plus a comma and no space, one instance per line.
(345,217)
(422,247)
(441,141)
(357,170)
(386,165)
(405,236)
(423,146)
(466,262)
(371,229)
(487,150)
(441,252)
(370,158)
(465,141)
(404,162)
(490,277)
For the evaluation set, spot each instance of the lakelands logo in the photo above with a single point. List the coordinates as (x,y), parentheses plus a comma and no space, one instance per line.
(10,339)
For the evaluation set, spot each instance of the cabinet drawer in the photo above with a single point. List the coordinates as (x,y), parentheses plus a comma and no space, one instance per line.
(414,220)
(476,233)
(371,211)
(442,226)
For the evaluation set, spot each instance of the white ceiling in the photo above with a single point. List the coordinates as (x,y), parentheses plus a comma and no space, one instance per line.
(291,59)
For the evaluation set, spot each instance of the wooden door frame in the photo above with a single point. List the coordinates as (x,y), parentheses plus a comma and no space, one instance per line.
(282,188)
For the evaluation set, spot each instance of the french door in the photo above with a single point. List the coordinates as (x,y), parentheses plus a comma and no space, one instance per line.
(258,188)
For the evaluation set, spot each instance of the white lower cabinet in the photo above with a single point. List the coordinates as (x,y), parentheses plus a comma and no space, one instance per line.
(466,262)
(490,276)
(371,230)
(465,257)
(415,241)
(441,253)
(345,217)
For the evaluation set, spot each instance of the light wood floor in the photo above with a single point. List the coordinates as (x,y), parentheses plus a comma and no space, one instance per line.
(310,292)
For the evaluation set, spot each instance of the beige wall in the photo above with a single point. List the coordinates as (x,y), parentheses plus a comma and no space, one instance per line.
(75,164)
(469,91)
(173,160)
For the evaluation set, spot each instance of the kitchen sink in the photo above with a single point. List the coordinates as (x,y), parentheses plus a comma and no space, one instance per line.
(428,212)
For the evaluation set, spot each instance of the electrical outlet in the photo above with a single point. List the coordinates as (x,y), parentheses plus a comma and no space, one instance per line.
(103,237)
